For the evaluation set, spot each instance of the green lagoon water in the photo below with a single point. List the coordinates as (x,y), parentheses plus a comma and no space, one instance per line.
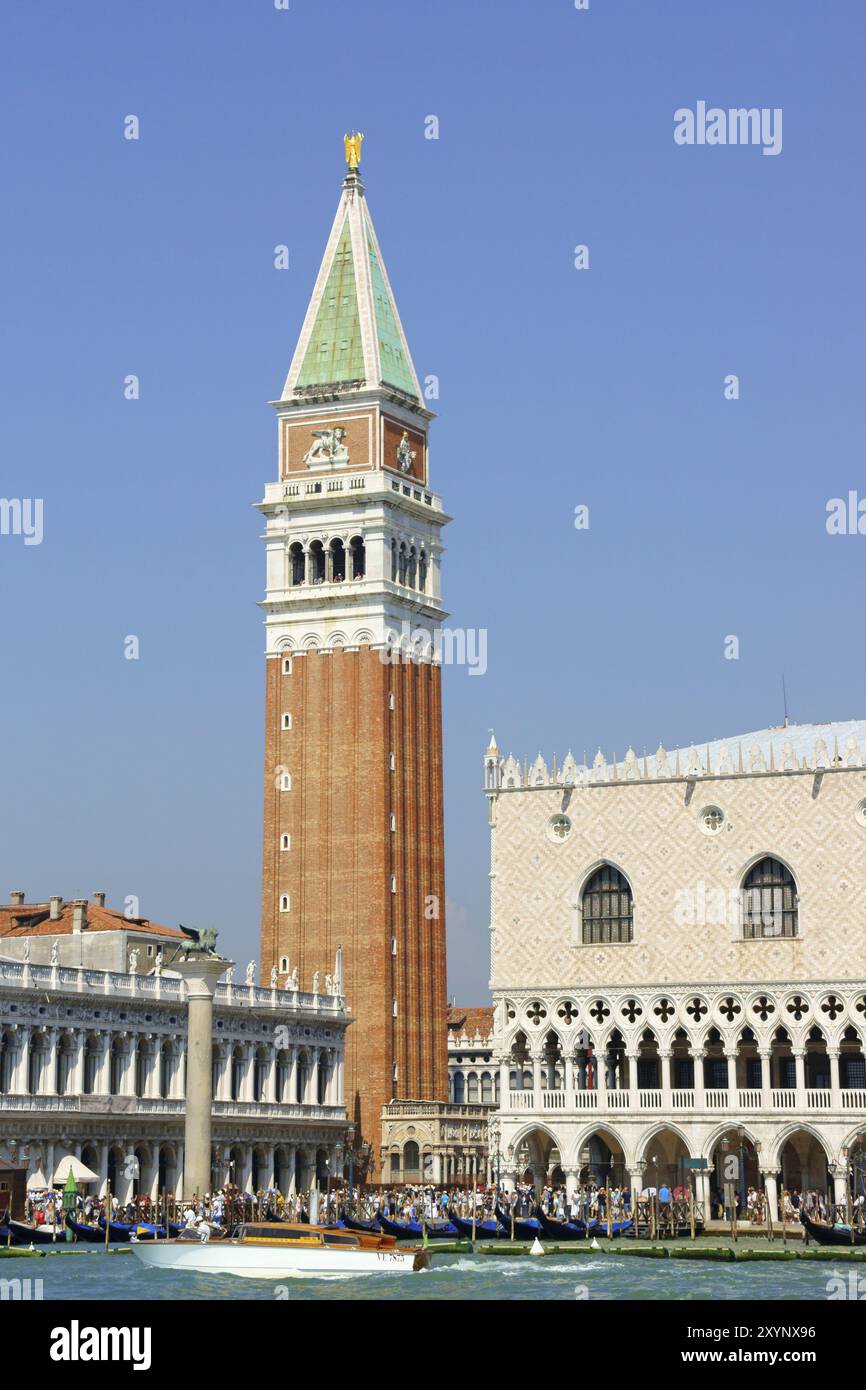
(93,1275)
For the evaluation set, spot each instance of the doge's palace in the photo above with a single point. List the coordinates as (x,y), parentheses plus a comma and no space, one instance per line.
(677,962)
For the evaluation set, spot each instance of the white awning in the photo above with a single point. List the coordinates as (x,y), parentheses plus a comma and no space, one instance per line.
(80,1171)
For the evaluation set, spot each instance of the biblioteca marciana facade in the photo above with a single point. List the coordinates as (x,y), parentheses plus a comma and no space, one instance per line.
(93,1026)
(677,962)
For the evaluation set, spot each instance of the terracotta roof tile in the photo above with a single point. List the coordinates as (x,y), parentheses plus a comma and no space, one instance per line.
(33,919)
(470,1021)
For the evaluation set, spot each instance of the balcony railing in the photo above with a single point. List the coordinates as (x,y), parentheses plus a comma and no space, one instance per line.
(640,1100)
(82,980)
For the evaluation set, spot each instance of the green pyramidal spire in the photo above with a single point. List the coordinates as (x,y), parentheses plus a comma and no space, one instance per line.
(352,338)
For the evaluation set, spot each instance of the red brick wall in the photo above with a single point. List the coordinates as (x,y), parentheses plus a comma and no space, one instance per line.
(343,854)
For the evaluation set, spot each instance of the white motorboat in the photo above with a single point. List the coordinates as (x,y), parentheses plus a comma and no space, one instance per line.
(280,1249)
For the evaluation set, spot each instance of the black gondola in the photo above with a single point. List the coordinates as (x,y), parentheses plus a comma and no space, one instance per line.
(24,1234)
(354,1223)
(832,1235)
(525,1227)
(486,1229)
(562,1230)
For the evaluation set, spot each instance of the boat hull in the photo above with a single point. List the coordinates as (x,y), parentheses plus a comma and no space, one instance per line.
(268,1262)
(832,1235)
(484,1230)
(22,1234)
(525,1227)
(369,1228)
(412,1230)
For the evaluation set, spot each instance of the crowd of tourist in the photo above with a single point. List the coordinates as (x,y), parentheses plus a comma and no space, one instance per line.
(664,1207)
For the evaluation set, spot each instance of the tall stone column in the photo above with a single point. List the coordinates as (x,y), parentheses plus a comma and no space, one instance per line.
(772,1194)
(766,1056)
(21,1062)
(103,1167)
(833,1054)
(200,973)
(102,1079)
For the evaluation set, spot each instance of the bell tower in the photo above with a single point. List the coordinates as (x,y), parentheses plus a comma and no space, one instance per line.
(353,862)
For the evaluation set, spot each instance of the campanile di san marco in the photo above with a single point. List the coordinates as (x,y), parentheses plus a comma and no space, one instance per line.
(353,867)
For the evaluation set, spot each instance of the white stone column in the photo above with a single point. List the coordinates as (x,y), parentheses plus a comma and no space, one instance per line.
(150,1184)
(835,1089)
(635,1178)
(103,1168)
(569,1081)
(130,1054)
(150,1088)
(504,1082)
(76,1083)
(697,1054)
(313,1098)
(269,1167)
(632,1059)
(731,1059)
(766,1054)
(21,1065)
(47,1053)
(222,1057)
(665,1063)
(293,1073)
(271,1090)
(800,1070)
(102,1076)
(702,1187)
(248,1075)
(772,1194)
(536,1080)
(200,974)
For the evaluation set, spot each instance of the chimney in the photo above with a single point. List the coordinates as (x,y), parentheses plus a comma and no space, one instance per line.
(17,898)
(55,909)
(79,917)
(99,899)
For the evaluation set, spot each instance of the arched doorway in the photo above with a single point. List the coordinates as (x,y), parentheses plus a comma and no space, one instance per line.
(803,1161)
(538,1160)
(601,1160)
(661,1157)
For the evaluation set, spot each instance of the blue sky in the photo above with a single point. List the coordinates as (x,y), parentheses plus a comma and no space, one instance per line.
(558,388)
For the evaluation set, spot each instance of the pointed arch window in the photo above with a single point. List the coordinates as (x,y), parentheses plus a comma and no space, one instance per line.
(607,907)
(769,900)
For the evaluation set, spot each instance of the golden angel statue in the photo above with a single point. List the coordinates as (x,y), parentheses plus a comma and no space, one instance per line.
(353,148)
